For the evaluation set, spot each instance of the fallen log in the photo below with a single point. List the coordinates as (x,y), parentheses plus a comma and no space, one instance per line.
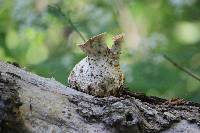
(30,103)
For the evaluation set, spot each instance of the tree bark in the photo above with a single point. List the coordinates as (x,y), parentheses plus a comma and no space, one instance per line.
(30,103)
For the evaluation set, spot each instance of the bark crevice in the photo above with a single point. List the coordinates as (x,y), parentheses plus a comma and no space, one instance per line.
(30,103)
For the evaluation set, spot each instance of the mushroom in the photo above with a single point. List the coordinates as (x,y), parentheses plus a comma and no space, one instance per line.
(99,73)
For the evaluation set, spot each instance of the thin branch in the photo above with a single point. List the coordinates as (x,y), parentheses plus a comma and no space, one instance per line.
(182,68)
(56,11)
(76,29)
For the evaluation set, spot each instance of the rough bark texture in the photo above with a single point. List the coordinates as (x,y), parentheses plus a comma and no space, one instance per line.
(29,103)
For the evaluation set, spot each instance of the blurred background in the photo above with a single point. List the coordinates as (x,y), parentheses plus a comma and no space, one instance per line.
(42,36)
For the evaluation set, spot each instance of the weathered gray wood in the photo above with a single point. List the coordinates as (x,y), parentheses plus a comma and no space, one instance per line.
(30,103)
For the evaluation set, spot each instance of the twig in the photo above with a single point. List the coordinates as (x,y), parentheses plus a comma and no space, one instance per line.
(57,11)
(76,29)
(182,68)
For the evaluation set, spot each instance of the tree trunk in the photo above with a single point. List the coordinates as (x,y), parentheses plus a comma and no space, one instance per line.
(30,103)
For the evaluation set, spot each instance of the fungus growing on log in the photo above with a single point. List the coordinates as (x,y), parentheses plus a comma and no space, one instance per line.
(99,73)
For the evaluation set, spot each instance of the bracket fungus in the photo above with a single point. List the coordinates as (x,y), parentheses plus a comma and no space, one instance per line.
(99,73)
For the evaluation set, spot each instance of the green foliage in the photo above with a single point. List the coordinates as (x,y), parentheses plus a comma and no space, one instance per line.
(41,35)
